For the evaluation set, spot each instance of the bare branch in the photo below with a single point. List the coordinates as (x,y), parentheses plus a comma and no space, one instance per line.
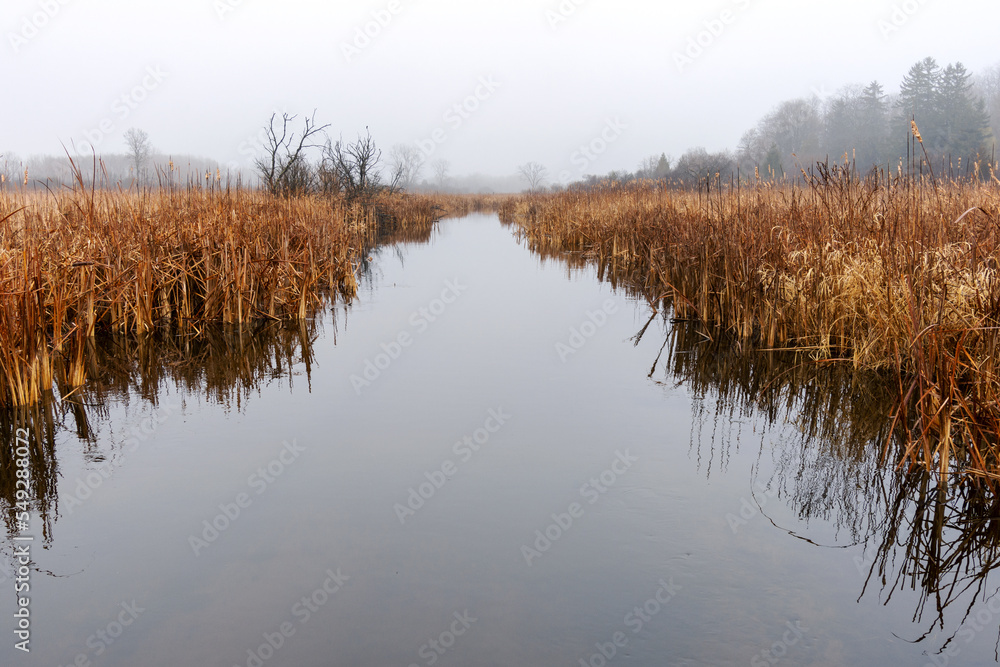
(354,167)
(533,173)
(284,168)
(139,148)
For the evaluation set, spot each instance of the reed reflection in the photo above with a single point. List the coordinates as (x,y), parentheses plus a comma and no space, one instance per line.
(836,436)
(223,363)
(830,434)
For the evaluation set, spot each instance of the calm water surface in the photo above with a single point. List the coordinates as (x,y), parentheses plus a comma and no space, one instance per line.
(457,478)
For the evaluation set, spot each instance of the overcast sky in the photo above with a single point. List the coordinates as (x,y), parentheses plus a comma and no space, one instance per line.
(533,80)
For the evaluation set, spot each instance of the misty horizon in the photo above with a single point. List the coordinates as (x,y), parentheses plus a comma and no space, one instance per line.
(486,88)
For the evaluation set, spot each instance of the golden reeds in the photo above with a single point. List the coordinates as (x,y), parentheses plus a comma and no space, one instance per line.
(878,273)
(78,263)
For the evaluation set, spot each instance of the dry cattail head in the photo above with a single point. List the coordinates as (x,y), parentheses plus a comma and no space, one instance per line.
(916,131)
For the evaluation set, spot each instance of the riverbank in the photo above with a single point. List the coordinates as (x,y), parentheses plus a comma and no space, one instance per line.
(77,263)
(873,273)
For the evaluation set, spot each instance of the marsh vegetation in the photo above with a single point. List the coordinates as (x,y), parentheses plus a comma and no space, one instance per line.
(879,272)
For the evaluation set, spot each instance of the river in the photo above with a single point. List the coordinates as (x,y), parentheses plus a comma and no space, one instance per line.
(472,464)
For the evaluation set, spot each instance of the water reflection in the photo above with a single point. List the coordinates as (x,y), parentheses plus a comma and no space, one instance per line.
(942,542)
(40,422)
(823,427)
(829,434)
(828,431)
(224,364)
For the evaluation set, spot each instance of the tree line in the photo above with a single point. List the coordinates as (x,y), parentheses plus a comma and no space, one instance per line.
(957,114)
(286,163)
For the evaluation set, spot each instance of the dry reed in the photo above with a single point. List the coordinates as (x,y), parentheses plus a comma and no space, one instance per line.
(878,273)
(81,262)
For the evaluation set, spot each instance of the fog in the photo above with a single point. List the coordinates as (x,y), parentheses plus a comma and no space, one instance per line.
(486,85)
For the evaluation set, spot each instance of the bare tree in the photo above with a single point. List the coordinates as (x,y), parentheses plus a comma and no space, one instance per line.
(647,167)
(139,149)
(533,173)
(408,162)
(696,165)
(354,167)
(794,126)
(441,168)
(284,167)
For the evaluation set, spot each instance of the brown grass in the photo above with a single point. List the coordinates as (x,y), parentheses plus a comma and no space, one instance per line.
(872,273)
(81,262)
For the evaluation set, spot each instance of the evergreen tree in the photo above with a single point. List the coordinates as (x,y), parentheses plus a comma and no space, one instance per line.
(987,86)
(873,126)
(662,167)
(965,122)
(919,99)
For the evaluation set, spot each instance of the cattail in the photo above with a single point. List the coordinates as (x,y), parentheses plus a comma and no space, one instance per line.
(49,309)
(817,271)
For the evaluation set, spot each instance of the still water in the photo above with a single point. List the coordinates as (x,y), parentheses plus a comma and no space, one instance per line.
(481,462)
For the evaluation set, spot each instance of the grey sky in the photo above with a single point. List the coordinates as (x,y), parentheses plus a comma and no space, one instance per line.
(202,76)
